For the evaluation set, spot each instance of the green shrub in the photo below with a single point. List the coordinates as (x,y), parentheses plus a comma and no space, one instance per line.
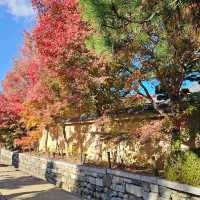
(185,169)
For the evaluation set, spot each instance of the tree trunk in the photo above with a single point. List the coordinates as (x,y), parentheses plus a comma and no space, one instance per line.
(46,140)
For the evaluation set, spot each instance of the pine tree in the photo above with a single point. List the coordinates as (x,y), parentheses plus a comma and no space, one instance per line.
(154,41)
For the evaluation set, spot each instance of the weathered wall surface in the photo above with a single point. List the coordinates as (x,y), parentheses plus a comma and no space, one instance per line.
(101,184)
(120,137)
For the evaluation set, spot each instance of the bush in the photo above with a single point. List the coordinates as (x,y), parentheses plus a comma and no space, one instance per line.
(185,169)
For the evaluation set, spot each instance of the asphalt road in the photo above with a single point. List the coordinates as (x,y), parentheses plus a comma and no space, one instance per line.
(17,185)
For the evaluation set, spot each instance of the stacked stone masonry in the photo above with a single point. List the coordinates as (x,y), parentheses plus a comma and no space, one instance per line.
(100,184)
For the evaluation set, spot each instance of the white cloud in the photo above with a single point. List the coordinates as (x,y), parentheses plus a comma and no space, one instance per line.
(18,8)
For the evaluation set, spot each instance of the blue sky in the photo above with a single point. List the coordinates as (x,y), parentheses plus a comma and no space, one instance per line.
(16,16)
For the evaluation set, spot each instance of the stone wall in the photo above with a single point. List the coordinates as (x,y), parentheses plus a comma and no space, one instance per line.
(101,184)
(9,158)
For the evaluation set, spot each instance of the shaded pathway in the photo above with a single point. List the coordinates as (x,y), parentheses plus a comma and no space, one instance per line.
(16,185)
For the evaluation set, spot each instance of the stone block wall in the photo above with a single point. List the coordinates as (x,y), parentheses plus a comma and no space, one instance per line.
(102,184)
(6,157)
(9,158)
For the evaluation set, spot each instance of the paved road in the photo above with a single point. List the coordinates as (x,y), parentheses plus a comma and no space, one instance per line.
(16,185)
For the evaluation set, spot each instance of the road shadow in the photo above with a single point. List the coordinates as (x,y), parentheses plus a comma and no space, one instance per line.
(2,165)
(15,183)
(51,194)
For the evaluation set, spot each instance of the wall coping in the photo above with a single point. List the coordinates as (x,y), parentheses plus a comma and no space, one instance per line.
(179,186)
(130,175)
(71,165)
(158,181)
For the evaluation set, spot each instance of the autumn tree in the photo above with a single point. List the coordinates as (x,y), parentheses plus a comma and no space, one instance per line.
(10,125)
(17,86)
(58,36)
(58,69)
(49,80)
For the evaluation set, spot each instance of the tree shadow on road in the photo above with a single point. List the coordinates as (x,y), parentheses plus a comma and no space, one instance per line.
(51,194)
(15,183)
